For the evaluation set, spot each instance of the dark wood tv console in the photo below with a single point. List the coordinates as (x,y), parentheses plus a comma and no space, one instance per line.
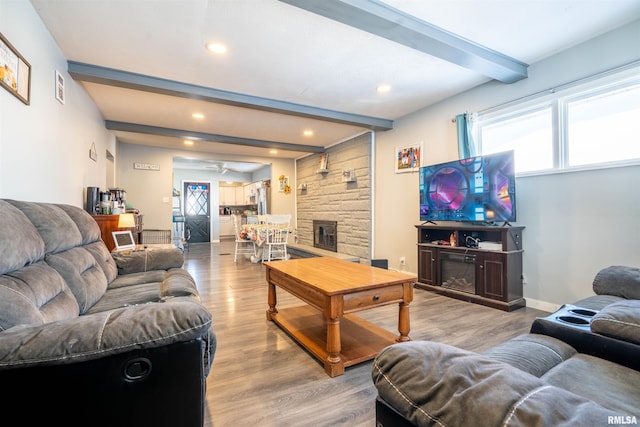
(489,276)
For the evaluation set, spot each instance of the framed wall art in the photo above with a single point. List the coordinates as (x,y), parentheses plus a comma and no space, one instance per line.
(59,87)
(408,158)
(15,71)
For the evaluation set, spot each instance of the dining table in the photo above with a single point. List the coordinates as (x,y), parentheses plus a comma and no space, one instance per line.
(258,233)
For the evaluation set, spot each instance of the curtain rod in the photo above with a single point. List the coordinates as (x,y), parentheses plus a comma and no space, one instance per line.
(563,86)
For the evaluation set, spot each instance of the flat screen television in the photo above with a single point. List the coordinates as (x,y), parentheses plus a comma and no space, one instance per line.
(478,189)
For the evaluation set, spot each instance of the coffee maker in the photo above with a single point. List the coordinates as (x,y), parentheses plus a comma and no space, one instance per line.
(93,200)
(112,201)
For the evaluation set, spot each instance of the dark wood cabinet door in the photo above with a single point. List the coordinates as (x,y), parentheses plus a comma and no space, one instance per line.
(426,265)
(492,276)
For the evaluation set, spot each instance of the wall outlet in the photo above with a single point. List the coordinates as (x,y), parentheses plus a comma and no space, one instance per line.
(403,261)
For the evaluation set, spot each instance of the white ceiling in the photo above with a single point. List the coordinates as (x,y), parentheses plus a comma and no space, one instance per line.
(278,52)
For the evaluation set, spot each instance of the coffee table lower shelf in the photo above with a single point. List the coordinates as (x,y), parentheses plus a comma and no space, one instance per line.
(360,340)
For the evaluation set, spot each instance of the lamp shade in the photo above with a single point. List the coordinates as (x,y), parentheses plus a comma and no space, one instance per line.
(126,221)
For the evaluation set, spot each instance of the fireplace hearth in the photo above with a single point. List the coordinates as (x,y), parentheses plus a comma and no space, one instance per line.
(325,235)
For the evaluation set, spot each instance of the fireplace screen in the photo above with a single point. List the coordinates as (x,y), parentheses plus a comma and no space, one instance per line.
(325,235)
(458,271)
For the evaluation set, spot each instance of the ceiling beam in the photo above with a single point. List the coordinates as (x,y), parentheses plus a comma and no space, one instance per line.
(380,19)
(211,137)
(108,76)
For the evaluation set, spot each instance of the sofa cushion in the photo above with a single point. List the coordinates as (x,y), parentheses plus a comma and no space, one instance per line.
(618,280)
(148,260)
(56,228)
(606,383)
(620,320)
(431,383)
(597,302)
(532,353)
(82,273)
(34,295)
(105,333)
(105,260)
(21,243)
(170,284)
(88,227)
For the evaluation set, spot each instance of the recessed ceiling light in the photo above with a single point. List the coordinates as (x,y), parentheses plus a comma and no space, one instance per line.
(308,133)
(188,142)
(383,88)
(215,47)
(198,116)
(273,151)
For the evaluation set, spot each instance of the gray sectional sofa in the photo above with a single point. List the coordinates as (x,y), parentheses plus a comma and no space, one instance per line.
(83,343)
(579,366)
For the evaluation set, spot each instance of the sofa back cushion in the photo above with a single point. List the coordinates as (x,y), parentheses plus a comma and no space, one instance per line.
(57,229)
(619,280)
(31,292)
(34,295)
(64,250)
(105,260)
(20,243)
(82,273)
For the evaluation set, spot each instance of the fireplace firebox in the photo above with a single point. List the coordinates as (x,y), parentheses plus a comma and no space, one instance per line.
(325,235)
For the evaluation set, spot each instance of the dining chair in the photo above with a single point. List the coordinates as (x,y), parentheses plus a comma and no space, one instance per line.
(275,245)
(243,246)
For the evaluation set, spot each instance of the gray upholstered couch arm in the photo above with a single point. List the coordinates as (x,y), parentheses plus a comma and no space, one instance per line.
(618,280)
(101,334)
(431,383)
(148,260)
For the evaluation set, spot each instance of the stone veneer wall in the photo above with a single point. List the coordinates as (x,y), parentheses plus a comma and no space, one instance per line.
(327,197)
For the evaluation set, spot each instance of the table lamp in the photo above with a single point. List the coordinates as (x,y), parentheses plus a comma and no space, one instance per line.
(126,220)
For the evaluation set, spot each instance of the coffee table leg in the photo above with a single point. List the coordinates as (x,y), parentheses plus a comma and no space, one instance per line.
(272,300)
(403,322)
(333,365)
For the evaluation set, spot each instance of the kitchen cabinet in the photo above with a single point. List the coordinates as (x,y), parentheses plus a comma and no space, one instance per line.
(239,196)
(227,196)
(226,225)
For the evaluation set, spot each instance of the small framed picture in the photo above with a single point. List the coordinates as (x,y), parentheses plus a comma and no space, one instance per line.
(59,87)
(15,71)
(408,158)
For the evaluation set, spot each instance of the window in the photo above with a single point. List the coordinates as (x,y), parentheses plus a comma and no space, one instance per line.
(604,127)
(579,126)
(529,133)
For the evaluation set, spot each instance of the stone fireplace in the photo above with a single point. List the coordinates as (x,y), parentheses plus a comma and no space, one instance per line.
(325,235)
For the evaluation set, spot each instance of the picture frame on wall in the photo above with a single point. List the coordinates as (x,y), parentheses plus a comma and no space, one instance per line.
(59,87)
(15,71)
(408,158)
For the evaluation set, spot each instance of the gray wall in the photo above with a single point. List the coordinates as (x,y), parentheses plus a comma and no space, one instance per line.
(328,198)
(44,146)
(576,222)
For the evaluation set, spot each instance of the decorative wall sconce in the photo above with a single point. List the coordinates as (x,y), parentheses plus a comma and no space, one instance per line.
(348,175)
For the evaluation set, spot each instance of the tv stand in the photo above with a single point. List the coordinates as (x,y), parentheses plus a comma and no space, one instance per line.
(489,274)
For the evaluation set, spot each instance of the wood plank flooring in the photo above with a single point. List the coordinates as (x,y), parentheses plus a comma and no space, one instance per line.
(261,377)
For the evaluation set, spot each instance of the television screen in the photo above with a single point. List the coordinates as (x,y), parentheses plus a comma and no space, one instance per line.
(481,188)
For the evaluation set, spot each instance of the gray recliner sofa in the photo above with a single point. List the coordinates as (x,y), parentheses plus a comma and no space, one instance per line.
(579,366)
(83,343)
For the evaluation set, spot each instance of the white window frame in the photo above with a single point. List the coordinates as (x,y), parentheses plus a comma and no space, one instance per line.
(558,99)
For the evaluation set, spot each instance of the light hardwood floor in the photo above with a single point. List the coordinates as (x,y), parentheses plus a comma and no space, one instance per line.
(261,377)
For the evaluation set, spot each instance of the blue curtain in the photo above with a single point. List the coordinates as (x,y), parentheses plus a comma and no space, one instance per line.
(466,146)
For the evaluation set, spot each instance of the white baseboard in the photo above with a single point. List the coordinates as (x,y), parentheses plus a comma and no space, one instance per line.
(542,305)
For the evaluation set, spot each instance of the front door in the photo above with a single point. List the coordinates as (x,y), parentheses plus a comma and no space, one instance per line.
(197,206)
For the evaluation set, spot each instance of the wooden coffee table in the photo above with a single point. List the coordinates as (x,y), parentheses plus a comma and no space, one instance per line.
(333,289)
